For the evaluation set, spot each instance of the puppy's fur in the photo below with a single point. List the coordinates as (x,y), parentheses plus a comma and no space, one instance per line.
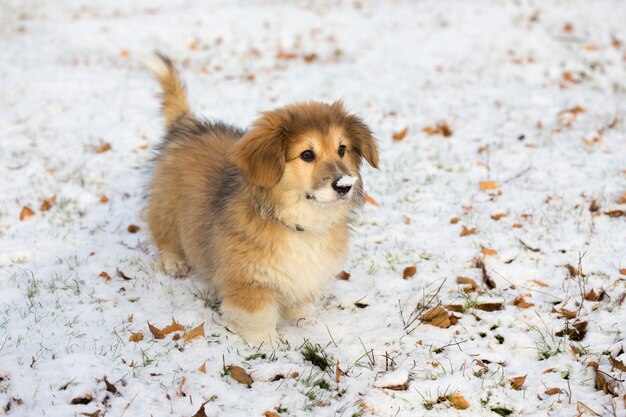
(247,211)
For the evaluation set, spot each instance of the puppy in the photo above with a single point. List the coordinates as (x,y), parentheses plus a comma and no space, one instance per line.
(262,213)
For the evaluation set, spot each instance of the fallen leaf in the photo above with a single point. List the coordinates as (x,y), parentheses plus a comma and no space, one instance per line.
(576,332)
(194,333)
(343,275)
(82,399)
(338,372)
(595,296)
(488,185)
(103,147)
(454,220)
(538,283)
(489,252)
(202,368)
(593,206)
(457,308)
(240,375)
(606,383)
(498,216)
(124,53)
(442,128)
(517,225)
(573,271)
(409,271)
(398,136)
(104,199)
(568,314)
(26,213)
(133,228)
(520,302)
(200,412)
(105,276)
(136,337)
(94,414)
(156,332)
(438,317)
(310,57)
(622,271)
(270,414)
(465,280)
(615,213)
(487,280)
(553,391)
(517,382)
(47,203)
(458,401)
(370,200)
(407,219)
(467,231)
(110,387)
(489,306)
(622,199)
(174,327)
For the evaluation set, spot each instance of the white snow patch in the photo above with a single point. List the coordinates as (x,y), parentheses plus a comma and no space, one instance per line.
(347,181)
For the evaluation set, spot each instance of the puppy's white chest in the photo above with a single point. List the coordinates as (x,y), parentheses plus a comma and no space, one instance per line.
(303,264)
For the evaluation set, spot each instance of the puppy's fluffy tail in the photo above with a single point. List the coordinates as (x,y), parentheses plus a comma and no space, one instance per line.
(174,102)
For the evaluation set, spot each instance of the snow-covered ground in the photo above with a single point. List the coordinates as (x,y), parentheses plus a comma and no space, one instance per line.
(524,99)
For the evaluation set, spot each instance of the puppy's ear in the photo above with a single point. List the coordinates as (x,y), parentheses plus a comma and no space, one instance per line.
(260,153)
(364,141)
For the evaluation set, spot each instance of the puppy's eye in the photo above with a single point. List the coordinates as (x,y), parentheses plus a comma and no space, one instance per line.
(307,156)
(342,150)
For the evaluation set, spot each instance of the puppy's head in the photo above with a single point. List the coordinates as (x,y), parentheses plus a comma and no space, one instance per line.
(309,151)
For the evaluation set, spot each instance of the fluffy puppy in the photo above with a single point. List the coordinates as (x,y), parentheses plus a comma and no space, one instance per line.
(262,213)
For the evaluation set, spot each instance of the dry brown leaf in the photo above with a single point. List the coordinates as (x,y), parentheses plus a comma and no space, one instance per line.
(174,327)
(156,332)
(454,220)
(82,399)
(104,199)
(194,333)
(622,271)
(467,231)
(370,200)
(47,203)
(489,252)
(26,213)
(338,373)
(573,271)
(105,276)
(538,283)
(442,129)
(458,401)
(473,285)
(457,308)
(488,185)
(133,228)
(553,391)
(407,219)
(202,368)
(595,296)
(568,314)
(270,414)
(622,199)
(343,275)
(401,134)
(518,382)
(594,206)
(438,317)
(606,383)
(94,414)
(617,364)
(576,331)
(489,306)
(498,216)
(110,387)
(136,337)
(517,225)
(104,147)
(240,375)
(124,53)
(409,271)
(487,280)
(615,213)
(200,412)
(520,302)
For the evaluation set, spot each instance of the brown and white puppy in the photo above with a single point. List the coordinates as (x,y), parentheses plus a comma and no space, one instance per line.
(263,213)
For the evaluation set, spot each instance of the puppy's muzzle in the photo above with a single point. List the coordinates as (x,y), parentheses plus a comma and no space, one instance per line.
(341,188)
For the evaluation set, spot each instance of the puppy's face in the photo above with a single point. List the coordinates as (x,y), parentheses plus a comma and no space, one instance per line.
(310,151)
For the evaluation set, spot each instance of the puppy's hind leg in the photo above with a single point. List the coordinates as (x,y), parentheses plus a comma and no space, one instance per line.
(253,314)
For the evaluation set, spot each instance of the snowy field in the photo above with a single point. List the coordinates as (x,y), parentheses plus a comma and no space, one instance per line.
(502,128)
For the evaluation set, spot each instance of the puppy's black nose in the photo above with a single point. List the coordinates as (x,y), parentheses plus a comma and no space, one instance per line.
(341,189)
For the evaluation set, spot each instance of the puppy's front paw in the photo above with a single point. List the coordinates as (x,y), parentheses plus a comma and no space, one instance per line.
(267,338)
(173,264)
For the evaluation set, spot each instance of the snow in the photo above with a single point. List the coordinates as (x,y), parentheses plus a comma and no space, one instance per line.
(347,181)
(506,77)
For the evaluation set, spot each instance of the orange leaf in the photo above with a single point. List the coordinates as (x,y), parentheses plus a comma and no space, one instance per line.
(338,372)
(203,367)
(520,302)
(552,391)
(622,199)
(104,199)
(454,220)
(517,382)
(370,200)
(104,147)
(398,136)
(438,317)
(26,213)
(517,225)
(409,271)
(467,231)
(488,185)
(240,375)
(156,332)
(194,333)
(489,306)
(105,276)
(47,203)
(343,275)
(174,327)
(270,414)
(489,252)
(124,53)
(458,401)
(136,337)
(622,271)
(498,216)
